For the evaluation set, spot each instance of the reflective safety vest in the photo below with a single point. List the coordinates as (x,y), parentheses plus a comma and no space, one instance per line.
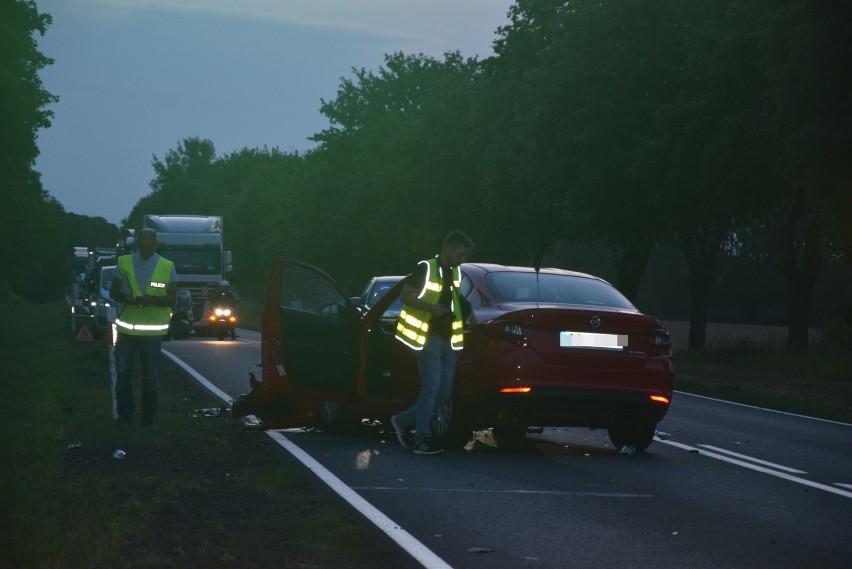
(145,320)
(412,326)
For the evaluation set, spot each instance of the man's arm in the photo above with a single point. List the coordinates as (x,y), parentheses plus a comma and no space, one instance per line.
(116,294)
(168,300)
(409,297)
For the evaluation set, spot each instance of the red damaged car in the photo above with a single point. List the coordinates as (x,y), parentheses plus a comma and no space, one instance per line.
(542,348)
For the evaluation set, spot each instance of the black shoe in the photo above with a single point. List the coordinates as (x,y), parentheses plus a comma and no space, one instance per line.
(426,447)
(401,434)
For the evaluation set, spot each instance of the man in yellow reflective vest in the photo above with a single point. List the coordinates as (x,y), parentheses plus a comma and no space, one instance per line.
(431,324)
(144,287)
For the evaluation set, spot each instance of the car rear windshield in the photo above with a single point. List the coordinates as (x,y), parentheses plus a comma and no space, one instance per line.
(554,289)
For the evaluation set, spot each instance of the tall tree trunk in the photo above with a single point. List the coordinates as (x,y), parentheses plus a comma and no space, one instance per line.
(701,252)
(802,247)
(631,266)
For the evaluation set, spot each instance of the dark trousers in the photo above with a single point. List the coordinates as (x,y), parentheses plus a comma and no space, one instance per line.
(126,348)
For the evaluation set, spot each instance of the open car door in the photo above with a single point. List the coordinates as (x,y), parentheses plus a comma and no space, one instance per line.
(309,347)
(318,328)
(389,379)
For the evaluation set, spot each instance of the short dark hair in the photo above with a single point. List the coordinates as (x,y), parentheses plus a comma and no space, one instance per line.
(150,230)
(458,237)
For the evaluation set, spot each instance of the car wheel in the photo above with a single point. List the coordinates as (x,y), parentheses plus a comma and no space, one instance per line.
(453,425)
(441,419)
(637,434)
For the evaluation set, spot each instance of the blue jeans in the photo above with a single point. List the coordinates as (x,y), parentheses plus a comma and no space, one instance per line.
(126,347)
(436,364)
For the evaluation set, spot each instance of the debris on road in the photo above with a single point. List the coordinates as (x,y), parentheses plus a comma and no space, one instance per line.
(212,412)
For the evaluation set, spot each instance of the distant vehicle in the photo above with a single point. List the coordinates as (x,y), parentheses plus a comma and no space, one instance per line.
(223,316)
(76,291)
(101,301)
(81,265)
(376,289)
(543,348)
(81,259)
(194,243)
(103,255)
(180,322)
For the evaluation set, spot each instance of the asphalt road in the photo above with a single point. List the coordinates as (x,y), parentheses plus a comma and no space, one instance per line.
(724,485)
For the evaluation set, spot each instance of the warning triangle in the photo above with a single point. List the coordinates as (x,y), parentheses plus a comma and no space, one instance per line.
(84,335)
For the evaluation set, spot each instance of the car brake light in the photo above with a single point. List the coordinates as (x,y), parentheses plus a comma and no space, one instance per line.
(660,399)
(516,390)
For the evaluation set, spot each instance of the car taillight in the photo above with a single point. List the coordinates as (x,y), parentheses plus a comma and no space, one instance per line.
(662,343)
(511,331)
(660,399)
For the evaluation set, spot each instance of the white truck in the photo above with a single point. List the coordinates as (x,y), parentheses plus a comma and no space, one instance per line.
(194,243)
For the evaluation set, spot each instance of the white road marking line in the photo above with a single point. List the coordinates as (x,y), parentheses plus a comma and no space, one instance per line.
(539,492)
(405,540)
(199,378)
(757,460)
(751,466)
(843,485)
(408,542)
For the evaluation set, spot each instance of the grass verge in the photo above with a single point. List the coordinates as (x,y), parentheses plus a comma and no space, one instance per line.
(818,384)
(193,491)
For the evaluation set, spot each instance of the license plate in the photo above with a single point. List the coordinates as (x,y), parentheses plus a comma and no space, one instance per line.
(568,339)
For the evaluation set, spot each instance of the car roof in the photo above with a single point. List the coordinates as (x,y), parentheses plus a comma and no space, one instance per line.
(495,268)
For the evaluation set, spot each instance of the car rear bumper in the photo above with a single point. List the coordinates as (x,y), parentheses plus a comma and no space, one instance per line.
(565,407)
(593,395)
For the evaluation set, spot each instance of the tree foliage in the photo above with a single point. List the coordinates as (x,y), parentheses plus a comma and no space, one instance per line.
(716,128)
(36,234)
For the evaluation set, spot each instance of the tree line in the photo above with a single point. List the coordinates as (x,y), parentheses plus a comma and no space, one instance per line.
(710,133)
(37,235)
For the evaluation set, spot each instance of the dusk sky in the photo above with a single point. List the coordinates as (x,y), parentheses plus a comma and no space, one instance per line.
(136,77)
